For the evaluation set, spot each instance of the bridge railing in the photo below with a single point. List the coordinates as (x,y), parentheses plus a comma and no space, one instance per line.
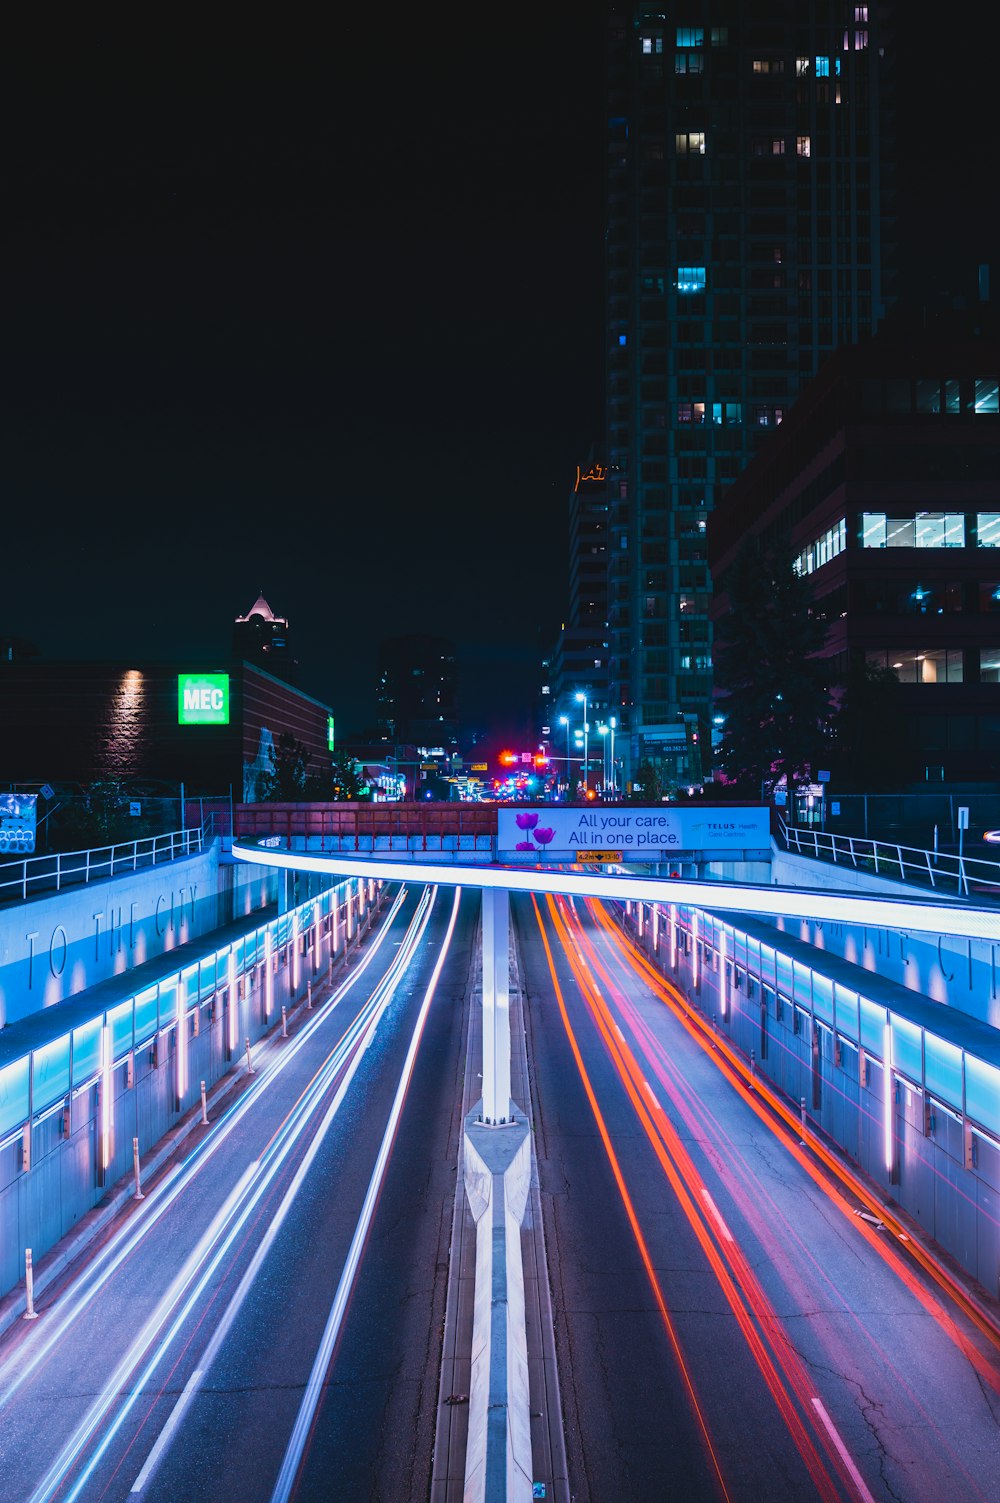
(942,871)
(357,825)
(20,880)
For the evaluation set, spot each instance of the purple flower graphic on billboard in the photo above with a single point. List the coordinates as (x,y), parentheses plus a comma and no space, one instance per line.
(524,845)
(526,821)
(544,836)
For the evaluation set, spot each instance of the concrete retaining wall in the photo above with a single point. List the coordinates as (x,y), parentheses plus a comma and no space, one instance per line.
(62,943)
(962,973)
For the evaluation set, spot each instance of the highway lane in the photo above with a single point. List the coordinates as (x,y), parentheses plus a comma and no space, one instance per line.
(185,1374)
(724,1327)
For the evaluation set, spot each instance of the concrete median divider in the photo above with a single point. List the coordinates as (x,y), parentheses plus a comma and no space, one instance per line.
(497,1180)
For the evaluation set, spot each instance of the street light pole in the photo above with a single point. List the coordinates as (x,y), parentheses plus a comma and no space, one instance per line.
(614,779)
(603,729)
(564,720)
(582,698)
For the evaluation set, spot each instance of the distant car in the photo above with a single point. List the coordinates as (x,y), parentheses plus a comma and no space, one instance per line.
(992,837)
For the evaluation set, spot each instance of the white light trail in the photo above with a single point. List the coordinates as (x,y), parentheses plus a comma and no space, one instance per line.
(251,1189)
(314,1387)
(925,917)
(158,1201)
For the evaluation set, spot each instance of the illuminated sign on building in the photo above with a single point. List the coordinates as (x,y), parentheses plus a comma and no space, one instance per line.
(329,733)
(17,823)
(203,699)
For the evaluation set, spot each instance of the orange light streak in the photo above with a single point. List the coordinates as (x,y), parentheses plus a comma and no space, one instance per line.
(630,1209)
(767,1105)
(687,1185)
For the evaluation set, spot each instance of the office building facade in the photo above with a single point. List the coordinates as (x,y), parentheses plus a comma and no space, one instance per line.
(885,486)
(744,243)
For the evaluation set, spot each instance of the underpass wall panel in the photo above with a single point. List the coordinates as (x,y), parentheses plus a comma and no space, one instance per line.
(987,1184)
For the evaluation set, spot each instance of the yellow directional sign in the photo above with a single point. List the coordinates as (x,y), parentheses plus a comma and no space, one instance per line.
(599,856)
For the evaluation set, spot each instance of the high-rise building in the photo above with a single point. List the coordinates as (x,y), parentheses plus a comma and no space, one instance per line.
(417,692)
(744,242)
(579,661)
(262,637)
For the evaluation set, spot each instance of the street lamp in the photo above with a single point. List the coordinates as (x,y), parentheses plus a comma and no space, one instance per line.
(564,720)
(614,779)
(582,699)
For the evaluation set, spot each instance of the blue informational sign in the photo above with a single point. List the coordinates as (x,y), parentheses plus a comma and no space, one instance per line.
(17,823)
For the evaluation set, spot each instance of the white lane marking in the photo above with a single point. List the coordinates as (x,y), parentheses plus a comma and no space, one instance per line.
(314,1388)
(716,1215)
(167,1432)
(650,1092)
(843,1452)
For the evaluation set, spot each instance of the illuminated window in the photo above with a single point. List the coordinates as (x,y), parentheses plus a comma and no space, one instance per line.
(928,395)
(690,279)
(861,13)
(822,67)
(952,396)
(828,546)
(690,36)
(719,36)
(802,66)
(989,665)
(726,413)
(651,46)
(769,65)
(803,146)
(927,529)
(689,62)
(987,395)
(988,529)
(941,665)
(623,339)
(778,147)
(691,142)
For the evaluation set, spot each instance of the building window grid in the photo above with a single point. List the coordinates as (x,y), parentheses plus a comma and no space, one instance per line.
(922,529)
(822,549)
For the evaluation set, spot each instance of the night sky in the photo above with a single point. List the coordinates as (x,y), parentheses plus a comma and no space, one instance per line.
(319,314)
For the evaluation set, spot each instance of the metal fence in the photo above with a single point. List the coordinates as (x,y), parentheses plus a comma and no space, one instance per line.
(938,869)
(34,874)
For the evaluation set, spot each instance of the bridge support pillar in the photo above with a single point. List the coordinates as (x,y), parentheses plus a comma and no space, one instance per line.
(496,1007)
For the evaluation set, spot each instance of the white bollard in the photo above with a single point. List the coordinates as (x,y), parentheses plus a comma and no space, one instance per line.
(284,1022)
(29,1283)
(309,996)
(204,1107)
(135,1165)
(250,1068)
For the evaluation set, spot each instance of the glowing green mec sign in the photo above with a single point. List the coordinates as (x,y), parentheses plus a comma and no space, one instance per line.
(203,699)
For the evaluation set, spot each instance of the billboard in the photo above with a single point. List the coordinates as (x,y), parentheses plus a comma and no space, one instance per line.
(558,833)
(203,699)
(17,823)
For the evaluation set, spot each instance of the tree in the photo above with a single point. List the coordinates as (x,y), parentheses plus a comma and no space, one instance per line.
(342,782)
(869,729)
(285,781)
(648,785)
(777,696)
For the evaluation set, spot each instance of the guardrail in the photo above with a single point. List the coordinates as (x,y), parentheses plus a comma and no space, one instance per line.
(886,859)
(22,879)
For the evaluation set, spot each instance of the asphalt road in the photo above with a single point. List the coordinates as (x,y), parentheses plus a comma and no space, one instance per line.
(186,1359)
(724,1327)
